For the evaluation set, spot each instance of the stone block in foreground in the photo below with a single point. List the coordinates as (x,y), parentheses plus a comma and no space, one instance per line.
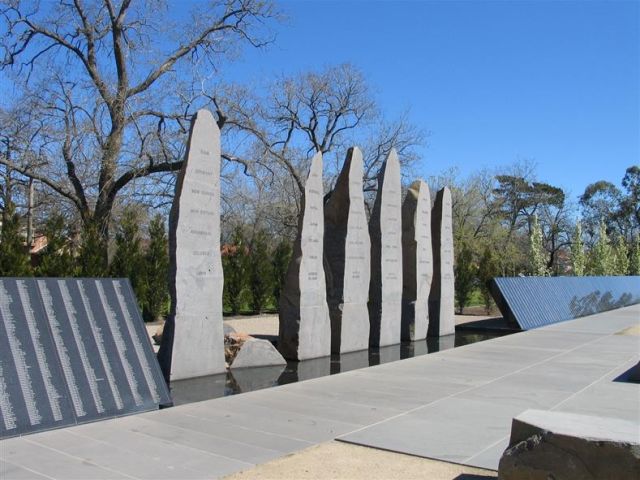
(565,446)
(257,353)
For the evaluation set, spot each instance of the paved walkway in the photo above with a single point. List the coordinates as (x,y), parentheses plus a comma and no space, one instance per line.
(455,405)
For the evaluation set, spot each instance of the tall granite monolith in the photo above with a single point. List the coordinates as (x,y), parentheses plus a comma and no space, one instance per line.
(417,261)
(441,297)
(305,327)
(347,253)
(193,341)
(385,230)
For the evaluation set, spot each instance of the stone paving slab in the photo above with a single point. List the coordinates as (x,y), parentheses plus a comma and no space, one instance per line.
(124,457)
(455,405)
(383,393)
(27,454)
(325,408)
(136,451)
(308,427)
(8,470)
(575,373)
(231,433)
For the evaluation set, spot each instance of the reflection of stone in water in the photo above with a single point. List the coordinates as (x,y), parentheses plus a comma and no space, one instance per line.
(317,367)
(437,344)
(414,349)
(420,348)
(247,379)
(389,354)
(380,355)
(468,338)
(447,342)
(305,370)
(335,363)
(354,360)
(198,389)
(257,378)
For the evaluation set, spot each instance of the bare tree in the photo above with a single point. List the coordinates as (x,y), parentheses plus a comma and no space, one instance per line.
(557,229)
(474,210)
(16,141)
(323,111)
(108,78)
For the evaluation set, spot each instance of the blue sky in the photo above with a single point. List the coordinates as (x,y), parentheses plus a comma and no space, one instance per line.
(493,81)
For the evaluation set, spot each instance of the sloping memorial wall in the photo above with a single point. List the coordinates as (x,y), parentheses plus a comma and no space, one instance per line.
(73,350)
(532,302)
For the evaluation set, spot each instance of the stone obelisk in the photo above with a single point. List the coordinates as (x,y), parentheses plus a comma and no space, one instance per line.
(305,328)
(385,230)
(193,341)
(441,298)
(348,259)
(417,264)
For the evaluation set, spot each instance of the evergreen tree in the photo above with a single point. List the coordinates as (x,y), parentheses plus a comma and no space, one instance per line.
(156,271)
(536,250)
(601,258)
(14,255)
(56,259)
(621,256)
(634,257)
(128,261)
(578,257)
(260,274)
(488,268)
(234,265)
(465,276)
(280,263)
(92,260)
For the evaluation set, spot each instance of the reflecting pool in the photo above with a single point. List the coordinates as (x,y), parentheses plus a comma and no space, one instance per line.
(248,379)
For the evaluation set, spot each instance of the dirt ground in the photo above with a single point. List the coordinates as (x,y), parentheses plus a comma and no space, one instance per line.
(343,461)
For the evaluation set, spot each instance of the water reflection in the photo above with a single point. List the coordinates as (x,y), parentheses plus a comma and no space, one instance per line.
(305,370)
(198,389)
(245,380)
(350,361)
(249,379)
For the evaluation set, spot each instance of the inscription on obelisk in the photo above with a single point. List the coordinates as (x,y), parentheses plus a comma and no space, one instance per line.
(347,250)
(417,261)
(441,298)
(192,343)
(385,229)
(305,328)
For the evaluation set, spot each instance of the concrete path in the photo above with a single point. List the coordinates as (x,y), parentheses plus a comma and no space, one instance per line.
(455,405)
